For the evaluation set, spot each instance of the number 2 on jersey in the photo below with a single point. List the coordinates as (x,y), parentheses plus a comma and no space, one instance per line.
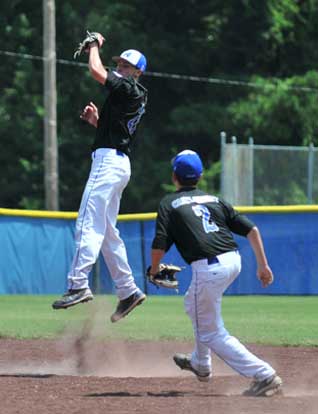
(208,224)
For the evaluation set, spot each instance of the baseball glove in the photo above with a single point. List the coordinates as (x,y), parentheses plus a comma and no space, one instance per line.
(165,277)
(91,37)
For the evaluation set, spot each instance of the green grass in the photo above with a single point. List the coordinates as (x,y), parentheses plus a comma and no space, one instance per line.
(278,320)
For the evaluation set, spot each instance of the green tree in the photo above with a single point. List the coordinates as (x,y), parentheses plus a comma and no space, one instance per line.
(21,112)
(233,40)
(279,112)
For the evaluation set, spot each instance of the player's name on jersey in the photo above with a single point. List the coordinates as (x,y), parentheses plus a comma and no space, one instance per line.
(195,199)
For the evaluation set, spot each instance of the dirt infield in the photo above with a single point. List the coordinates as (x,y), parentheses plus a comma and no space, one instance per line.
(74,376)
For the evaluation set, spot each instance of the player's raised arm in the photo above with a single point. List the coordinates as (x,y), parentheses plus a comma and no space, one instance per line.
(95,64)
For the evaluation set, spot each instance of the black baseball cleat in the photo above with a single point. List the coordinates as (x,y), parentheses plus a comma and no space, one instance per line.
(127,305)
(265,388)
(184,362)
(73,297)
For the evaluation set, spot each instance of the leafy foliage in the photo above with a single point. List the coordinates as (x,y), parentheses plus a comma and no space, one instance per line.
(276,111)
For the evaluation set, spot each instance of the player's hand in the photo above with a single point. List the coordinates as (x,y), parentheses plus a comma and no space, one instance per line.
(100,39)
(90,114)
(265,275)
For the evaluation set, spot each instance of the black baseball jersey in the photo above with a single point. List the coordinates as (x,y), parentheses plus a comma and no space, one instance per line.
(199,224)
(121,113)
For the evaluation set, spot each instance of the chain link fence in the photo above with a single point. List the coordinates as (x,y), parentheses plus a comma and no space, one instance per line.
(268,174)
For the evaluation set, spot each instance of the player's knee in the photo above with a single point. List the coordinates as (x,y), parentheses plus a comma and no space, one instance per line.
(211,336)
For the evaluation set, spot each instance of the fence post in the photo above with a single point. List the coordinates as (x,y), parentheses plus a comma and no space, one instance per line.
(310,178)
(251,170)
(223,144)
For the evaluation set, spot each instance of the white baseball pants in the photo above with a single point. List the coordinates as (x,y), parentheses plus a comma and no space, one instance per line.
(96,223)
(203,305)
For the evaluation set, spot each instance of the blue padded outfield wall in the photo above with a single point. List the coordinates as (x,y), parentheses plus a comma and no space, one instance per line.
(36,249)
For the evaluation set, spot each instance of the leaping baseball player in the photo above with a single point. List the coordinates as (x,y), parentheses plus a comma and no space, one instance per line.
(116,125)
(201,226)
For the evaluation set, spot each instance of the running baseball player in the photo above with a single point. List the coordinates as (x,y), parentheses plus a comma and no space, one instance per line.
(116,125)
(201,226)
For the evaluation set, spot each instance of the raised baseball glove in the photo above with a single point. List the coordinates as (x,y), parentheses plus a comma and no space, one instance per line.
(166,277)
(91,37)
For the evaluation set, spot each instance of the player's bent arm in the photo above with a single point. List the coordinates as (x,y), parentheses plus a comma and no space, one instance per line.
(254,237)
(90,114)
(156,256)
(96,66)
(264,272)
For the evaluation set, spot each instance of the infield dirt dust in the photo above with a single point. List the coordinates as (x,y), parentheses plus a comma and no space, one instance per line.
(45,376)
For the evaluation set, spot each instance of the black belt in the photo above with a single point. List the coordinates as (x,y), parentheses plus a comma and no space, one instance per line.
(118,152)
(212,260)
